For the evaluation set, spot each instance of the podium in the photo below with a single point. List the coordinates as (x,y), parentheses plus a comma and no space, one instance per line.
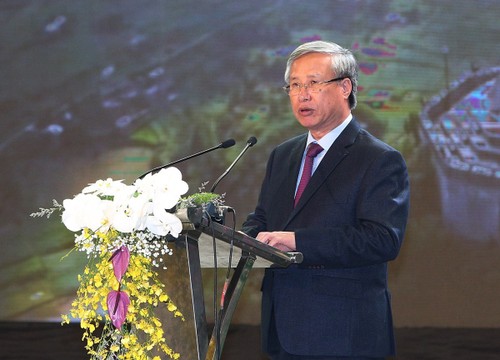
(194,250)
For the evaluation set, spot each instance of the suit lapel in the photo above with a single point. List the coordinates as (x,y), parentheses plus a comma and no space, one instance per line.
(292,173)
(337,152)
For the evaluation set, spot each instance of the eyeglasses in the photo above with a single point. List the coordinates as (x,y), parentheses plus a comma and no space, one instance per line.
(313,86)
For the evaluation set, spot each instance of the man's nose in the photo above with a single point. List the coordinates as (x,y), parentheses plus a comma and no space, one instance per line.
(304,93)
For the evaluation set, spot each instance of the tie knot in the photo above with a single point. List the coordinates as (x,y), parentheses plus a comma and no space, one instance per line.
(313,149)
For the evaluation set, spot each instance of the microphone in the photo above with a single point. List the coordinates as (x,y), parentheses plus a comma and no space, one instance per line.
(222,145)
(250,142)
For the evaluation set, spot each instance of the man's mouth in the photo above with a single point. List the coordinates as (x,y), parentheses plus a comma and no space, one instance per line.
(306,111)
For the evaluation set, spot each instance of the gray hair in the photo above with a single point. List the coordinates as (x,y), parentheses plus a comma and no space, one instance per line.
(343,63)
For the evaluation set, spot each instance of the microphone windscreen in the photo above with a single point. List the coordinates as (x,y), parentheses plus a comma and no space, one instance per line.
(252,140)
(227,143)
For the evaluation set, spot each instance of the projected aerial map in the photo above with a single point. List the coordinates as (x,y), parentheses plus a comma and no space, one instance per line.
(96,89)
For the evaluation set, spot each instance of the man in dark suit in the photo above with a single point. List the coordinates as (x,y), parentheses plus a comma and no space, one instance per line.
(348,223)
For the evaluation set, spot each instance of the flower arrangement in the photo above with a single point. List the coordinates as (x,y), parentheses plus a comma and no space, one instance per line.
(124,230)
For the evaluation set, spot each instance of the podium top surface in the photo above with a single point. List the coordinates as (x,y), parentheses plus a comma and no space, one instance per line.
(202,228)
(222,248)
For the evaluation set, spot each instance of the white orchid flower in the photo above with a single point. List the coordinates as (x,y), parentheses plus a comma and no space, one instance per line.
(163,223)
(165,186)
(131,215)
(108,187)
(83,211)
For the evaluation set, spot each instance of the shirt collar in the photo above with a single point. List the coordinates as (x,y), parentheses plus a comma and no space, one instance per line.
(327,141)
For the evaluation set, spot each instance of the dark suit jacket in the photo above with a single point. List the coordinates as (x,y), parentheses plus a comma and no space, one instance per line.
(349,222)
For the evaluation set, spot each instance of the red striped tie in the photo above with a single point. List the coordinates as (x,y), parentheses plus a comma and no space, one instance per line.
(313,150)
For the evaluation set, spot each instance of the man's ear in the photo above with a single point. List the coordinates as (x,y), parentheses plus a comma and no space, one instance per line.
(346,87)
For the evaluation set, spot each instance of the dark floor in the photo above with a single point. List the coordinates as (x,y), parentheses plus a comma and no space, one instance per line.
(50,341)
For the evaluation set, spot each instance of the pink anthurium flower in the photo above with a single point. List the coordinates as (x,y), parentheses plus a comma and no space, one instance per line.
(120,260)
(118,302)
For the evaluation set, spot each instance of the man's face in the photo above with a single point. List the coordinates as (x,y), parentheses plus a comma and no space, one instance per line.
(324,110)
